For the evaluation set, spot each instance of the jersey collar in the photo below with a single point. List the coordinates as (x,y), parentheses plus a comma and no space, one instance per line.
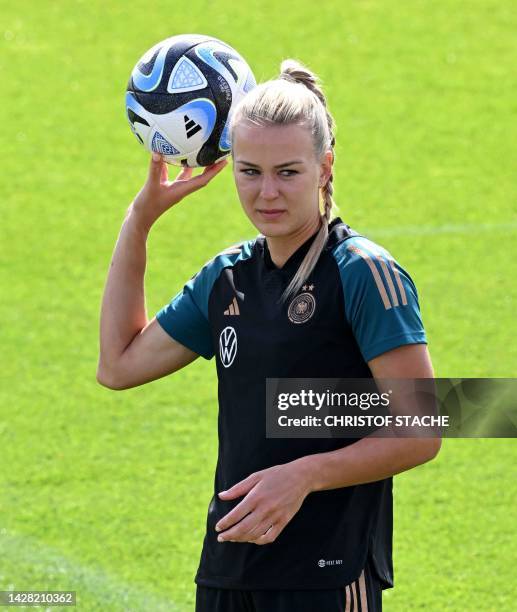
(296,258)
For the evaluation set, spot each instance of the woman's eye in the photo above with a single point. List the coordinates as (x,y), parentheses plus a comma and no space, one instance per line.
(254,172)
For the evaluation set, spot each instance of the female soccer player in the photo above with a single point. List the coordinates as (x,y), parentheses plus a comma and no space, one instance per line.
(294,525)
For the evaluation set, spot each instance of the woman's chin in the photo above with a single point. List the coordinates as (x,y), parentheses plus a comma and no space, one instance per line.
(273,232)
(272,229)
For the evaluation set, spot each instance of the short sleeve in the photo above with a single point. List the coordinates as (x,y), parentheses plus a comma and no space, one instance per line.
(381,301)
(185,318)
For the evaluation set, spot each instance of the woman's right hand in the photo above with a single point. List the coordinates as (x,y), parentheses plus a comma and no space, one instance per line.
(159,194)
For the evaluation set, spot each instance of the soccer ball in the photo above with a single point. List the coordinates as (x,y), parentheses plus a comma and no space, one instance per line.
(180,96)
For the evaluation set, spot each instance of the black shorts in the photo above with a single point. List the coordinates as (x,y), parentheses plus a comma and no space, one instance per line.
(363,595)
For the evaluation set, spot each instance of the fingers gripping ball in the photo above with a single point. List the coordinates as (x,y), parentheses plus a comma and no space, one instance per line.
(180,96)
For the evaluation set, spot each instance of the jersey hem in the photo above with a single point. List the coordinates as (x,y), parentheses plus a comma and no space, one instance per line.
(334,582)
(178,337)
(239,586)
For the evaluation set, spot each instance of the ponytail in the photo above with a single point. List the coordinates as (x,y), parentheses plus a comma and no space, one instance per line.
(293,71)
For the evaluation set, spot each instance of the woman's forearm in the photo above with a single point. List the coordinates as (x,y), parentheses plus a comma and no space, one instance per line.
(367,460)
(123,311)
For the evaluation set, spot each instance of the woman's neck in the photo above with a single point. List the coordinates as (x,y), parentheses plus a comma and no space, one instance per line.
(282,247)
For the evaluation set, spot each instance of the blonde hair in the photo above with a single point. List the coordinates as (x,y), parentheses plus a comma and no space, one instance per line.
(295,97)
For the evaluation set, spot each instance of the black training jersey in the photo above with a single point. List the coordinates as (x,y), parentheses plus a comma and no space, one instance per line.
(356,304)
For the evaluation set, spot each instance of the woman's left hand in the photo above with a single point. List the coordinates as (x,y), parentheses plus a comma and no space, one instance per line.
(272,497)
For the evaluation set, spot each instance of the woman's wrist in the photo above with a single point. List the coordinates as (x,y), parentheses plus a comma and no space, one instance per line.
(307,469)
(138,221)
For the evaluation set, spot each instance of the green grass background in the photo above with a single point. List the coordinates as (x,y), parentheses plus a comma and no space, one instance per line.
(106,492)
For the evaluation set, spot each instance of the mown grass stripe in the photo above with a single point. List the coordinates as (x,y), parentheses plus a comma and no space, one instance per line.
(112,594)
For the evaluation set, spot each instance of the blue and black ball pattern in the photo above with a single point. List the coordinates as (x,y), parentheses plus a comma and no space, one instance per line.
(191,70)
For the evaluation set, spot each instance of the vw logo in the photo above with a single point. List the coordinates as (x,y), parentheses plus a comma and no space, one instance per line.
(227,346)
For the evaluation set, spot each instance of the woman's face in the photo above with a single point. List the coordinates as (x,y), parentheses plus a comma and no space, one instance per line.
(278,177)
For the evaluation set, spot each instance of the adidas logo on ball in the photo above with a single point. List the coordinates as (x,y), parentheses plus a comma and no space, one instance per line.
(191,126)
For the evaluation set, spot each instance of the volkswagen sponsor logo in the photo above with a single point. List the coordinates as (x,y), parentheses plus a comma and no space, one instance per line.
(227,346)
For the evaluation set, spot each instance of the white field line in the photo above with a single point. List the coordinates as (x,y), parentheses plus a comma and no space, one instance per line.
(431,230)
(111,593)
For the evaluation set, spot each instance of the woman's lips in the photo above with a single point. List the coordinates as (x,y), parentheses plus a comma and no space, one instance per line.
(274,213)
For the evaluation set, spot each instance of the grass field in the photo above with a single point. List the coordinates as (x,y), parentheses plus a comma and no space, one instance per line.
(106,492)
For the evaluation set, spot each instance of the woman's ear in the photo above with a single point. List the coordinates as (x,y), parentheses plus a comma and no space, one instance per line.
(326,167)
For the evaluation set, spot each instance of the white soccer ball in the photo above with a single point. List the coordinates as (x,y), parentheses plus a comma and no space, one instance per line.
(180,97)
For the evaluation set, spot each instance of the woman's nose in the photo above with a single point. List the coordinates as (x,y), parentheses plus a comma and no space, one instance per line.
(268,188)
